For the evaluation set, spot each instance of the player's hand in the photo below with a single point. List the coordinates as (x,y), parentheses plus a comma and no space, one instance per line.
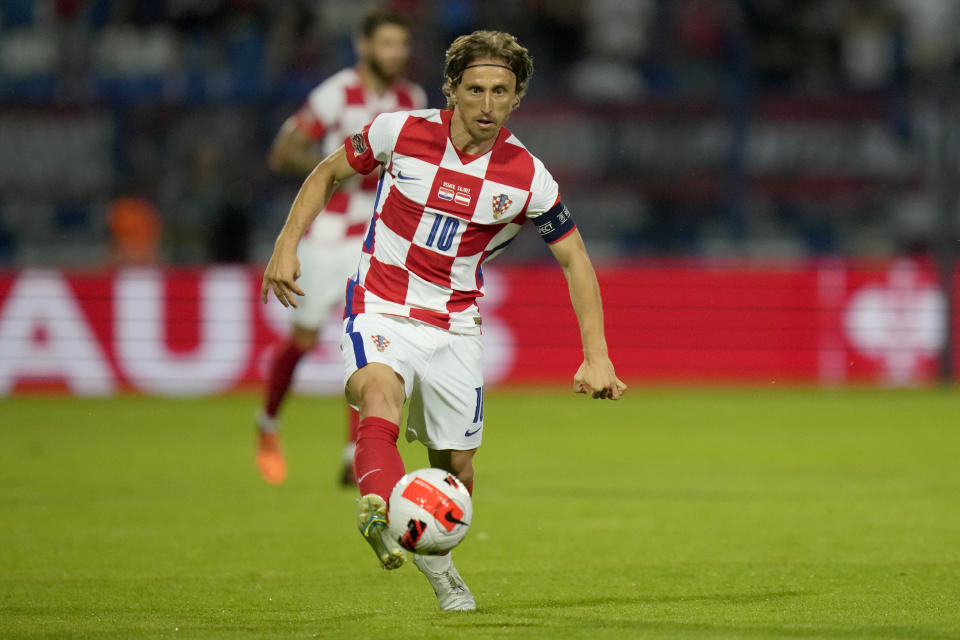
(599,380)
(281,275)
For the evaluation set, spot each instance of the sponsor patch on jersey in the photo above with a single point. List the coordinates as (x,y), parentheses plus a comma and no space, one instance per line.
(359,144)
(380,342)
(501,203)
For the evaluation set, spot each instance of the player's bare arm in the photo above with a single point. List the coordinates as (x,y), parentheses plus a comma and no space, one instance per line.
(596,375)
(293,152)
(283,269)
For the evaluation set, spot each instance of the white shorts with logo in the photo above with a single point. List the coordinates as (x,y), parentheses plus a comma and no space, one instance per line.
(442,375)
(324,269)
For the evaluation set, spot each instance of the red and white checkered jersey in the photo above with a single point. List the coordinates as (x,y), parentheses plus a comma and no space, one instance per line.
(440,214)
(337,107)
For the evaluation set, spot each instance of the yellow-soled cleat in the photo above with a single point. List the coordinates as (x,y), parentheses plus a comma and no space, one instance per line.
(372,523)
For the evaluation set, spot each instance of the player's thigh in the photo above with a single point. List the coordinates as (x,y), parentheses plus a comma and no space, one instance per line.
(374,339)
(446,409)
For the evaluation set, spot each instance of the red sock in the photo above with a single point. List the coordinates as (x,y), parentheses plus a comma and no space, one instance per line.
(353,420)
(377,464)
(281,373)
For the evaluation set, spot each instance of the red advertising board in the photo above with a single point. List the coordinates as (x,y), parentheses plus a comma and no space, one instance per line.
(203,330)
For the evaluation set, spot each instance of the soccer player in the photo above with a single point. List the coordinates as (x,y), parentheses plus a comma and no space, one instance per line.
(455,187)
(339,106)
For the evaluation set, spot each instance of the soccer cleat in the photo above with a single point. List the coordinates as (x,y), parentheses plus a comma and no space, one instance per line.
(372,523)
(273,468)
(452,592)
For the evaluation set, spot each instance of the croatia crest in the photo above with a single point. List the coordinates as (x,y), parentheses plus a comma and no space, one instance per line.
(380,342)
(501,203)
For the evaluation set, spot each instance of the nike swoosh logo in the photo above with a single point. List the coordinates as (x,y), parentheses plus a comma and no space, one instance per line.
(469,433)
(400,176)
(449,517)
(360,479)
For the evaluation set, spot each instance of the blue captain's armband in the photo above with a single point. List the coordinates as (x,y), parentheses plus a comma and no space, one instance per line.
(555,224)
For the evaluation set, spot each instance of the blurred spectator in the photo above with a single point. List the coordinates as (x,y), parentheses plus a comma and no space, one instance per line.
(134,231)
(617,35)
(869,46)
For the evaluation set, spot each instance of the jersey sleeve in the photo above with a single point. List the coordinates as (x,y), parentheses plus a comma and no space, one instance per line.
(547,212)
(368,149)
(319,113)
(544,191)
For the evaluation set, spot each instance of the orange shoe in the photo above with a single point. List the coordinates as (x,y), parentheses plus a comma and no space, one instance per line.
(270,460)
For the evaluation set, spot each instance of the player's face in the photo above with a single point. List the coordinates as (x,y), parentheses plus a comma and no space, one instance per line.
(485,97)
(386,52)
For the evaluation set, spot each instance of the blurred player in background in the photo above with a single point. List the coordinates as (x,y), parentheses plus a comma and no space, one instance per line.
(328,253)
(456,187)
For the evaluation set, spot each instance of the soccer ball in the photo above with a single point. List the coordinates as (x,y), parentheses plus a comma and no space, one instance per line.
(429,511)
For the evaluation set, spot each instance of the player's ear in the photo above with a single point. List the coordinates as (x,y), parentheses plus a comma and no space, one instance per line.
(449,91)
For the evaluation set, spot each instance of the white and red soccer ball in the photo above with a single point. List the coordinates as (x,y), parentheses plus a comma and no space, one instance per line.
(429,511)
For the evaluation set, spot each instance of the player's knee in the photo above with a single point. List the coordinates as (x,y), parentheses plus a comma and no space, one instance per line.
(377,401)
(382,400)
(377,391)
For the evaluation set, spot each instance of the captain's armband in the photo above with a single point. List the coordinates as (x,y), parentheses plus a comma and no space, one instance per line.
(555,224)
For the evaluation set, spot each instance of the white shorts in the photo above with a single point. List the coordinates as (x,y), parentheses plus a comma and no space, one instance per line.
(324,269)
(442,375)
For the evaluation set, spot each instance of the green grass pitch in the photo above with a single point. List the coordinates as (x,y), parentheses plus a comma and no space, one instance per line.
(676,513)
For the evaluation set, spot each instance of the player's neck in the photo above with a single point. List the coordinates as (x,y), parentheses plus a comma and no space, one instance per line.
(372,80)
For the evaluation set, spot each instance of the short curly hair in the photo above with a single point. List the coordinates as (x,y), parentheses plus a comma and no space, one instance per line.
(497,45)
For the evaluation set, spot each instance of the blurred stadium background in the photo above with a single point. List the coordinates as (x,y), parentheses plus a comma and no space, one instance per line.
(769,187)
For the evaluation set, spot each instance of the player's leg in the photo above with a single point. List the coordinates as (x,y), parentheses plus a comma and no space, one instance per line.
(451,591)
(378,392)
(376,386)
(270,458)
(459,463)
(448,418)
(379,395)
(300,342)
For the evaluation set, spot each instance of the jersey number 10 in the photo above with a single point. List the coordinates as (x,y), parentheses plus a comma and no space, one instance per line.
(446,233)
